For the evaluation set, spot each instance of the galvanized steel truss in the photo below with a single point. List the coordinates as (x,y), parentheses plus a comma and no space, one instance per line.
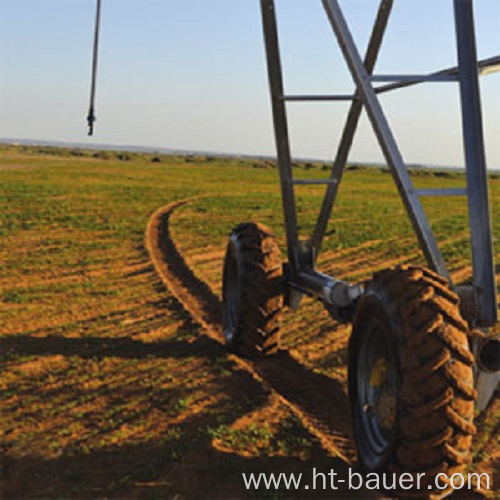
(302,255)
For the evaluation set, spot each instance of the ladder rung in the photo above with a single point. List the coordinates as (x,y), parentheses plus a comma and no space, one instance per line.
(314,181)
(442,192)
(415,78)
(319,97)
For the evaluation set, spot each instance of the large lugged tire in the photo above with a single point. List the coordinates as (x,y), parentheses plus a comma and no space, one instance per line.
(411,379)
(252,291)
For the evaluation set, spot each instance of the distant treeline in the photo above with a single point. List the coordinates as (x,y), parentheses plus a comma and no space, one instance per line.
(114,155)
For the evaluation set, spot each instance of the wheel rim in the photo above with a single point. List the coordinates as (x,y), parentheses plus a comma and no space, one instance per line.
(231,295)
(376,394)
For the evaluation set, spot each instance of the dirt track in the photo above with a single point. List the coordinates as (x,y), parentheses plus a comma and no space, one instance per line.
(314,398)
(318,401)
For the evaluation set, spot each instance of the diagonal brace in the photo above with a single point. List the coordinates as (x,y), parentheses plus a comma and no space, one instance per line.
(385,138)
(350,128)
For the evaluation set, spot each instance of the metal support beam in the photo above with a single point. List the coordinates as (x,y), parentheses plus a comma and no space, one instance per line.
(442,192)
(319,98)
(350,127)
(475,161)
(493,66)
(314,181)
(280,129)
(386,139)
(436,77)
(485,67)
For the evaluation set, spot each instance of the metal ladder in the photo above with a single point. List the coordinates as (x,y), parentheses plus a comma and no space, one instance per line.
(466,74)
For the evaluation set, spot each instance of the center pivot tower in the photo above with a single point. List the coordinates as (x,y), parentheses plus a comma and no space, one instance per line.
(415,362)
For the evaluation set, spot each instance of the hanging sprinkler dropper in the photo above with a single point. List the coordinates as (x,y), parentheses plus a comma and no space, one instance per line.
(91,115)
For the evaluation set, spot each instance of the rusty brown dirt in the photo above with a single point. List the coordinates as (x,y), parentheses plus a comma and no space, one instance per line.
(317,400)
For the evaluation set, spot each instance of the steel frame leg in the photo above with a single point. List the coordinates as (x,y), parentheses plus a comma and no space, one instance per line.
(475,162)
(281,130)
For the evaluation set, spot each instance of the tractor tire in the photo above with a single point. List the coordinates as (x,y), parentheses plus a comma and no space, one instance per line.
(252,291)
(411,380)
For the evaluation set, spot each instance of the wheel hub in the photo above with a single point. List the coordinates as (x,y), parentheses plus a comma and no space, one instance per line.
(377,393)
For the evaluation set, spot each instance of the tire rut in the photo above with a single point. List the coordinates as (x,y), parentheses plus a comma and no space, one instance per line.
(317,400)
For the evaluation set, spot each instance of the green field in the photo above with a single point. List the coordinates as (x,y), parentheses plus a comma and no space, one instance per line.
(109,386)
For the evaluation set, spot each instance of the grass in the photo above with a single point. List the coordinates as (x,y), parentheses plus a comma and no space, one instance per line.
(109,387)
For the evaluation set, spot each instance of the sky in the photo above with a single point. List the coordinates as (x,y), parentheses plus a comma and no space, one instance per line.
(191,75)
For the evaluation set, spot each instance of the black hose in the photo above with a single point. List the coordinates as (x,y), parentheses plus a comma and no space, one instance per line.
(91,115)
